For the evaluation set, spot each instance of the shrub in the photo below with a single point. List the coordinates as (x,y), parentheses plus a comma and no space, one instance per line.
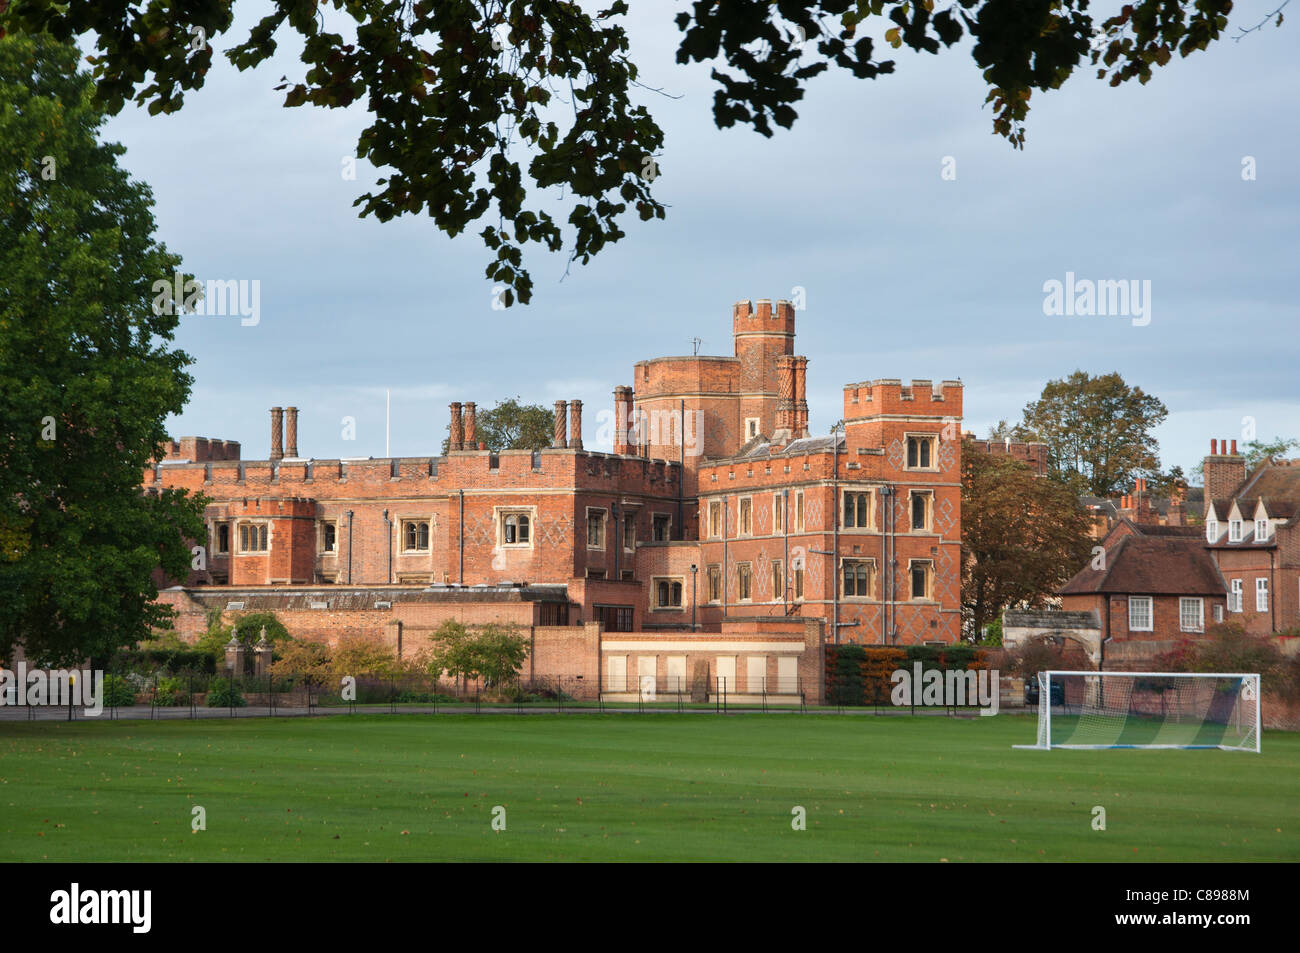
(226,695)
(364,655)
(118,692)
(171,693)
(173,661)
(302,658)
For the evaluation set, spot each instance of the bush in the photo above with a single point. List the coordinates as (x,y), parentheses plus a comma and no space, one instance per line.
(118,692)
(861,675)
(171,693)
(226,695)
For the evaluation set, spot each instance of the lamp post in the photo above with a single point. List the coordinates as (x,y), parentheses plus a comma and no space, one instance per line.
(694,569)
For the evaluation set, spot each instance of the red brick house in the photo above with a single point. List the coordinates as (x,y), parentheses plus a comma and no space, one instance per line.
(1253,534)
(1154,584)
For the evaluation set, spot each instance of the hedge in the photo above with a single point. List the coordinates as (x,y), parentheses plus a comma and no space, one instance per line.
(172,661)
(860,674)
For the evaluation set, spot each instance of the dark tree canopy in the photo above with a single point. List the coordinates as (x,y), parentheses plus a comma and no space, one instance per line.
(86,376)
(469,97)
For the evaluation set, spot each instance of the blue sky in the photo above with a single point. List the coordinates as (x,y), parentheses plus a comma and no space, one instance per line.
(907,274)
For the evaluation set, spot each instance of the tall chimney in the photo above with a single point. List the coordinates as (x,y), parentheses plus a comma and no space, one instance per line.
(622,411)
(277,433)
(561,438)
(291,431)
(801,397)
(785,407)
(456,436)
(575,424)
(471,426)
(1224,471)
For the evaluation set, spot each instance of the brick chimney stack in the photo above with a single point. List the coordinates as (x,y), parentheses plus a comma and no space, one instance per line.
(575,424)
(1177,507)
(277,433)
(800,397)
(471,426)
(456,433)
(785,388)
(291,432)
(1143,501)
(622,414)
(561,438)
(1225,471)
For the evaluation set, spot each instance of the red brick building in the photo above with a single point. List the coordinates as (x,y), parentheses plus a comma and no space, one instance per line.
(713,469)
(1155,584)
(1251,530)
(1160,582)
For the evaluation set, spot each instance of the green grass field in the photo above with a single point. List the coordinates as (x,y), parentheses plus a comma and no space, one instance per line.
(628,787)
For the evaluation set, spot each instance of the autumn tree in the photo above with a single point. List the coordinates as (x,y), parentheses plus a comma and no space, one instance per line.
(1023,536)
(87,376)
(1098,431)
(472,101)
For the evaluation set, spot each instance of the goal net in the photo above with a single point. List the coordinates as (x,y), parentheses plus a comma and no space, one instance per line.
(1147,710)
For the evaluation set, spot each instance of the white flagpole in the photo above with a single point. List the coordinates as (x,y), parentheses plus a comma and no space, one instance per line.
(388,417)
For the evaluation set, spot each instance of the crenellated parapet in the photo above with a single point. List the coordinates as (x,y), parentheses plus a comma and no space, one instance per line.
(891,396)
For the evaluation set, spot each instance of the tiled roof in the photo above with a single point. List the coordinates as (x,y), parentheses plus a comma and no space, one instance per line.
(1156,529)
(1151,565)
(1279,482)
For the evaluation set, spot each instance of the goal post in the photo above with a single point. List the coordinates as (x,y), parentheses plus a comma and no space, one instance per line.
(1094,710)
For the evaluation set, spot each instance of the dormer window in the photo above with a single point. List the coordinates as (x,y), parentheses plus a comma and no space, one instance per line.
(1211,530)
(1261,530)
(1234,531)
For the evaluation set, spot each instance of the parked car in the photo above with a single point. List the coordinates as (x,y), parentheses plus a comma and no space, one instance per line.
(1032,693)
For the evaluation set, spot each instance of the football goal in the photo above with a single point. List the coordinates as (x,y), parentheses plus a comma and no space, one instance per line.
(1147,710)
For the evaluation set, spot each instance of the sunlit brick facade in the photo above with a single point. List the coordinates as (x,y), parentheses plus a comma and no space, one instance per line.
(858,532)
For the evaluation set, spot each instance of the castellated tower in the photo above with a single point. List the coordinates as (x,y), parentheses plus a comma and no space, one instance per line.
(700,407)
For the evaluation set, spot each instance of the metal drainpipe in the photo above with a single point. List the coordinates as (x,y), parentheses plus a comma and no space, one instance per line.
(614,518)
(460,534)
(349,547)
(887,540)
(1272,591)
(785,563)
(835,548)
(724,557)
(681,459)
(884,561)
(388,524)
